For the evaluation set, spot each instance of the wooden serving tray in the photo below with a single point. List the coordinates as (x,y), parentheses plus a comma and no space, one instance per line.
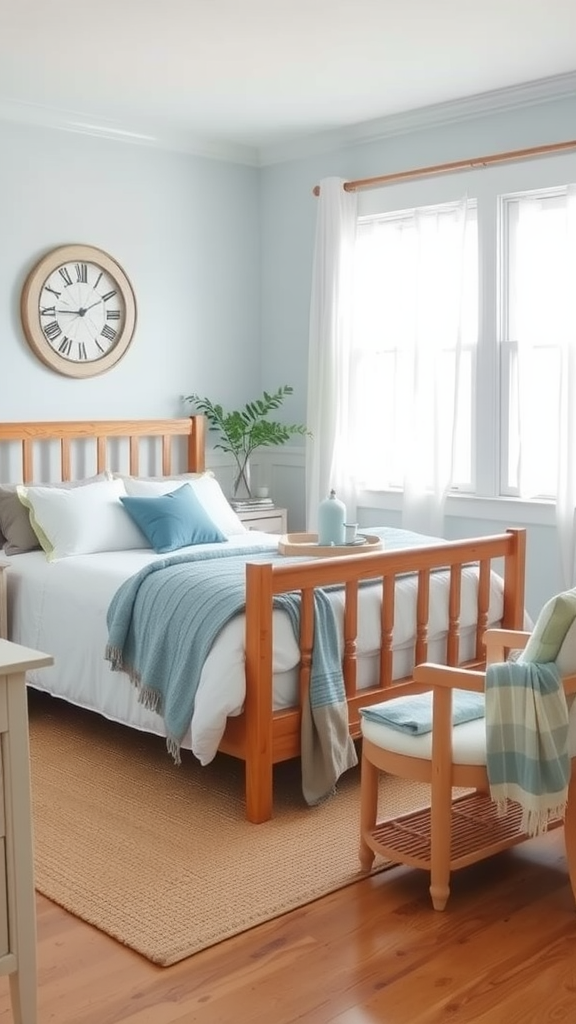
(306,544)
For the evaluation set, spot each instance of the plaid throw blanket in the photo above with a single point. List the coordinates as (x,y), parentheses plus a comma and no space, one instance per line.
(527,740)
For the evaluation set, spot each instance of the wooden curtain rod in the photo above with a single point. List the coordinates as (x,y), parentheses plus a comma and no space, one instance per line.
(455,165)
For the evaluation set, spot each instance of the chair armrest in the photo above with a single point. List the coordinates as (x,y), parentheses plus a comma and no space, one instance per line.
(498,641)
(430,675)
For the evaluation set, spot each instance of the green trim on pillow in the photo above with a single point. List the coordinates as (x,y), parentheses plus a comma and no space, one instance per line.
(16,533)
(43,540)
(551,628)
(82,520)
(15,526)
(174,520)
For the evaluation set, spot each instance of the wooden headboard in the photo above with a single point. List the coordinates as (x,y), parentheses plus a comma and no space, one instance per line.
(29,437)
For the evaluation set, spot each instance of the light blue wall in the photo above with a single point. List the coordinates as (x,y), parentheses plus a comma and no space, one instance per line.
(186,231)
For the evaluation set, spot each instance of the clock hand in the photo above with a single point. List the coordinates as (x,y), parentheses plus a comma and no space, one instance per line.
(82,311)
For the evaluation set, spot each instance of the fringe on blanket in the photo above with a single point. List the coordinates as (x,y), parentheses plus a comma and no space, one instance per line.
(150,698)
(527,753)
(535,820)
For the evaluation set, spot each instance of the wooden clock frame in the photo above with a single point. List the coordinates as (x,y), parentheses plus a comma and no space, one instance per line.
(30,310)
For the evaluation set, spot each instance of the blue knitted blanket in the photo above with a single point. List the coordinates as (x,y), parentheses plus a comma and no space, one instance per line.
(163,621)
(413,714)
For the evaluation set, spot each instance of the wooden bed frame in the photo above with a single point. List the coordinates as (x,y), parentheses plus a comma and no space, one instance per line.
(259,736)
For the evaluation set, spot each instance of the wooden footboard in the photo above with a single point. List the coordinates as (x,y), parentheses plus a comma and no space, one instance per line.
(262,737)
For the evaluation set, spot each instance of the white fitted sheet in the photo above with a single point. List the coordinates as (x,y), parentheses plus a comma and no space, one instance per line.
(60,608)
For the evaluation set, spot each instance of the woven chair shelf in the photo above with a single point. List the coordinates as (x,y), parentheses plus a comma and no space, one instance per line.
(475,824)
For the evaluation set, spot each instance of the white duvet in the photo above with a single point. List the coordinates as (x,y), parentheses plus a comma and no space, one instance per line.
(60,608)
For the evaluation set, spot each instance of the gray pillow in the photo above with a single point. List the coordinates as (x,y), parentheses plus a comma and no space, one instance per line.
(16,534)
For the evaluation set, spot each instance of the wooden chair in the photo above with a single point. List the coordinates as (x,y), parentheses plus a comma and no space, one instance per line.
(455,831)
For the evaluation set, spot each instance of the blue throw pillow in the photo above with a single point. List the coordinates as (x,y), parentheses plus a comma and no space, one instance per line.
(172,521)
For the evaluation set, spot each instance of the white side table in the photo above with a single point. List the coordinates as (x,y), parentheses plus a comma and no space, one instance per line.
(17,898)
(269,520)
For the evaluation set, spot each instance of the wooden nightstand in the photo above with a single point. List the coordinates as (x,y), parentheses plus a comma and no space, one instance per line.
(17,899)
(269,520)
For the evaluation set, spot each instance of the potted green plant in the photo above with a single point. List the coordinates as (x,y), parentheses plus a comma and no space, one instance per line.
(242,431)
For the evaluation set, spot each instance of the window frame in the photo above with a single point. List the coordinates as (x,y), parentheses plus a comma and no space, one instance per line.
(488,186)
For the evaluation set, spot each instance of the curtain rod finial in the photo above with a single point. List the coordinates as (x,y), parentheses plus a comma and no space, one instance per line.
(316,190)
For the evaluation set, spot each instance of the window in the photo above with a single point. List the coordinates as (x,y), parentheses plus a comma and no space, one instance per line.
(415,331)
(420,281)
(538,331)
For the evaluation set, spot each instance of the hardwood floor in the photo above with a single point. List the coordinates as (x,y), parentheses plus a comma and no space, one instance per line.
(503,952)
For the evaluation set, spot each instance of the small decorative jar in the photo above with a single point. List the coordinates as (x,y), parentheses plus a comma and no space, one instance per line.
(331,520)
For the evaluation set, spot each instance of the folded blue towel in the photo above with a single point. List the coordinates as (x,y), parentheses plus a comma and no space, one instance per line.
(413,714)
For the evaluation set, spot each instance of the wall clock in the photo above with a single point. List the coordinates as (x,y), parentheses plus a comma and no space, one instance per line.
(78,310)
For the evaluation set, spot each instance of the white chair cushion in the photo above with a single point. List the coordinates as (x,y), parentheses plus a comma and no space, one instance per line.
(468,740)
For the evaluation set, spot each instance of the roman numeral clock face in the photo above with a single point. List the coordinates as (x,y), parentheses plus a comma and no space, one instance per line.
(78,311)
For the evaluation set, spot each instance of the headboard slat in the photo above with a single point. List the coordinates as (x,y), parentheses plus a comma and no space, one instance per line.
(166,456)
(33,435)
(134,455)
(27,461)
(101,454)
(65,459)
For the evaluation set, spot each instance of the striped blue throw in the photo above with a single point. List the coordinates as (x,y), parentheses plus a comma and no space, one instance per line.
(527,757)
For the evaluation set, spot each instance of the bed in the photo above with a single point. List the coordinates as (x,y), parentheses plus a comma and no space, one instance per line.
(395,607)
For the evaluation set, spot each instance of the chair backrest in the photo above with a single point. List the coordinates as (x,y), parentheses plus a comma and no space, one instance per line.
(554,635)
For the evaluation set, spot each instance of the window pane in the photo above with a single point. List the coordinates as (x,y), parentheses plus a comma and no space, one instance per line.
(535,434)
(538,291)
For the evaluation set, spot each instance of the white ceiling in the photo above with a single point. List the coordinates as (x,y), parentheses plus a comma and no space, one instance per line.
(262,73)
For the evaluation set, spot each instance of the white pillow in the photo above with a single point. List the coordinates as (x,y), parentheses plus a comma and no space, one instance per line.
(207,490)
(210,494)
(146,488)
(150,486)
(81,521)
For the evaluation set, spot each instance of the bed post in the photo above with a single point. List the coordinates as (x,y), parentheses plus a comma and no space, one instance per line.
(515,581)
(258,703)
(197,444)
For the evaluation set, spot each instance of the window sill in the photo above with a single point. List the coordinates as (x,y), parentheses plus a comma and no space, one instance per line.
(513,511)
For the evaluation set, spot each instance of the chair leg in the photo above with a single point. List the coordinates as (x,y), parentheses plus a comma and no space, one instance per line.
(368,809)
(440,844)
(570,831)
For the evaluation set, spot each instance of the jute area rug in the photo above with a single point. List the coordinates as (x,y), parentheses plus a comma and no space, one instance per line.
(161,857)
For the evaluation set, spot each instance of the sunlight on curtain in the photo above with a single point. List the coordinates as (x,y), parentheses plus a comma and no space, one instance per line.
(542,322)
(415,337)
(328,455)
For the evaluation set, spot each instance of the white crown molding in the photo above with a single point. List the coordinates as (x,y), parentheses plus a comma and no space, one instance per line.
(529,94)
(168,137)
(156,136)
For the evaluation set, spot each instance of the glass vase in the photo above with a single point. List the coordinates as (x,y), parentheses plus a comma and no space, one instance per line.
(241,490)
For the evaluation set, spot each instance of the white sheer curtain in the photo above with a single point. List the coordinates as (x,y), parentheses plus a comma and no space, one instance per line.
(546,385)
(413,308)
(436,369)
(328,459)
(566,500)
